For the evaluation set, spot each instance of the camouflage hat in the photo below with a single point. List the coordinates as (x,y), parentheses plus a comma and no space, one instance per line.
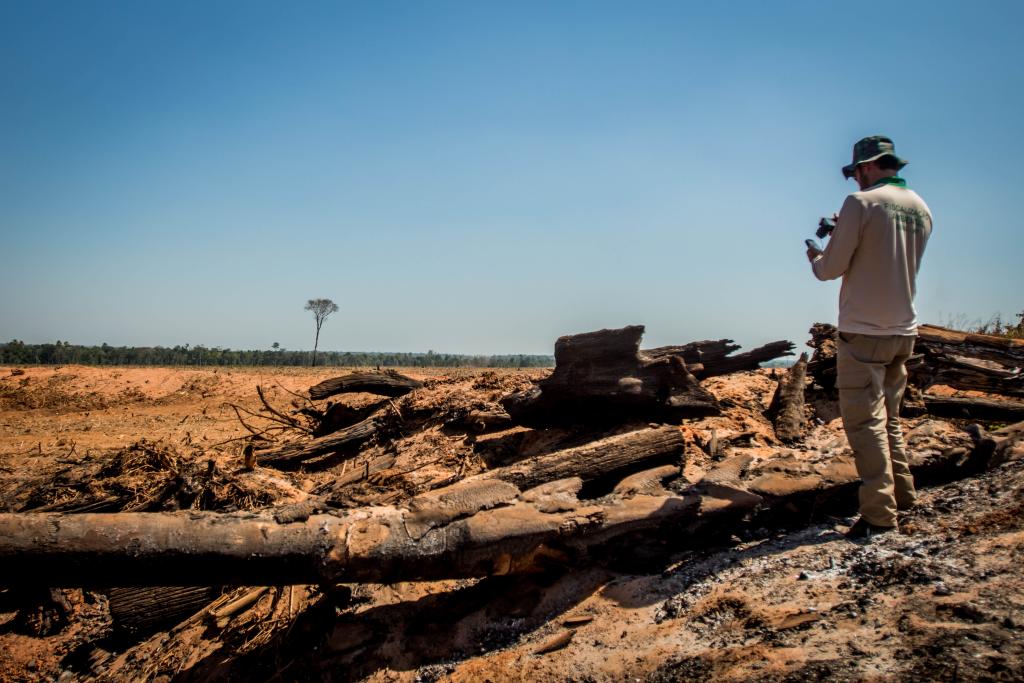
(869,149)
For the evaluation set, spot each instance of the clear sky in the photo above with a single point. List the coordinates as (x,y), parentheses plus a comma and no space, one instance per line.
(482,177)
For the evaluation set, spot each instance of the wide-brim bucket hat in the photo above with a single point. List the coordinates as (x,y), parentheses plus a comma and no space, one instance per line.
(869,149)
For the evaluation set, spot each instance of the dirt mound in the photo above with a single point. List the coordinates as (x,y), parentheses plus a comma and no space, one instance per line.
(57,394)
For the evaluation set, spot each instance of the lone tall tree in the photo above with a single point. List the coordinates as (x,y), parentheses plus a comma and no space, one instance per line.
(321,309)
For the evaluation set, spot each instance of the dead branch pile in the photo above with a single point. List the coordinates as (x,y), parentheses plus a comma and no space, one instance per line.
(144,476)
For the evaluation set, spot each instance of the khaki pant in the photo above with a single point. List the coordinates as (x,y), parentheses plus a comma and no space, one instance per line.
(871,380)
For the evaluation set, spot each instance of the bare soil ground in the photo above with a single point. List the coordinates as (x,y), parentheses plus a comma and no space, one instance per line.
(941,600)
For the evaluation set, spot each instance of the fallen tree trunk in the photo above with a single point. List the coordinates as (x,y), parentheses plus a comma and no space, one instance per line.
(388,383)
(340,416)
(343,441)
(602,377)
(970,408)
(713,358)
(474,528)
(597,459)
(603,459)
(943,341)
(961,373)
(787,407)
(482,420)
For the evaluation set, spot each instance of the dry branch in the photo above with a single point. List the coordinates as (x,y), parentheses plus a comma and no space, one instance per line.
(274,411)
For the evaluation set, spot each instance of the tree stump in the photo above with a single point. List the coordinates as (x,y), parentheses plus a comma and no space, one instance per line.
(603,377)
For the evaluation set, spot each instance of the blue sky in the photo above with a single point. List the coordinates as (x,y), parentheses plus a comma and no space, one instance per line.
(478,177)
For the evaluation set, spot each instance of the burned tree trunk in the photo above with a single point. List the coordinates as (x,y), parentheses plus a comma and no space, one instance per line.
(602,376)
(387,383)
(615,455)
(965,374)
(822,366)
(942,341)
(969,408)
(481,420)
(711,358)
(340,416)
(341,442)
(787,408)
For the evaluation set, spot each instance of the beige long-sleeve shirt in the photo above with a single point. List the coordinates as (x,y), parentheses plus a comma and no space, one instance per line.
(876,248)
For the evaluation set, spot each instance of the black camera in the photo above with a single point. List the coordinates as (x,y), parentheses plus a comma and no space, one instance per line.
(825,228)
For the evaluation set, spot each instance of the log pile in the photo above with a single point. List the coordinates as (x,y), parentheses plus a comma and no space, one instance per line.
(600,378)
(482,526)
(625,474)
(959,360)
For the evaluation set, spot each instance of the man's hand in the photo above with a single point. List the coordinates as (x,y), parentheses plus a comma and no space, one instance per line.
(813,251)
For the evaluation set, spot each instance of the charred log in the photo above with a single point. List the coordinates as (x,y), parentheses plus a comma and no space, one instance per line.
(711,358)
(613,456)
(602,376)
(345,441)
(942,341)
(822,365)
(970,408)
(340,416)
(787,409)
(481,420)
(387,383)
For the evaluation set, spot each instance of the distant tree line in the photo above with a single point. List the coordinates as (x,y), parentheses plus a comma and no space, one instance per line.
(19,353)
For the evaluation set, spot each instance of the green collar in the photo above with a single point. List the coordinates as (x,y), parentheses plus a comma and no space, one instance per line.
(892,180)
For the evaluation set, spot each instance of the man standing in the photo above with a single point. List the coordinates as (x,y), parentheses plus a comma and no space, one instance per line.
(876,248)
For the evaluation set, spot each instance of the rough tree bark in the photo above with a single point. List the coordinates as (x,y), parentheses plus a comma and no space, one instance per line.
(602,376)
(787,406)
(387,383)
